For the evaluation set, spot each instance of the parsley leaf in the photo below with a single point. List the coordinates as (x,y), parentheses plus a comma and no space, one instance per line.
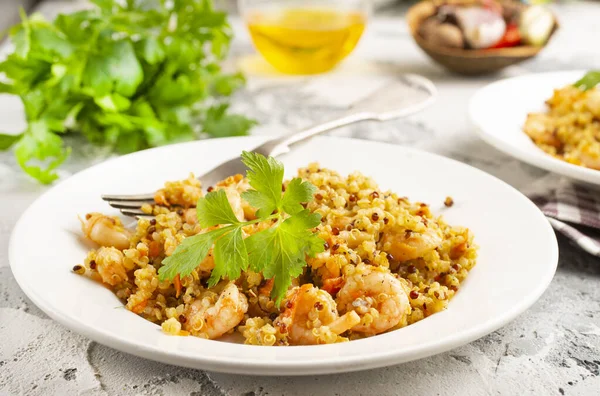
(125,74)
(297,191)
(215,209)
(231,257)
(265,175)
(589,80)
(278,252)
(189,254)
(6,141)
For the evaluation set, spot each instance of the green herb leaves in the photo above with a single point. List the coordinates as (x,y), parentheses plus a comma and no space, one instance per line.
(278,252)
(129,75)
(589,80)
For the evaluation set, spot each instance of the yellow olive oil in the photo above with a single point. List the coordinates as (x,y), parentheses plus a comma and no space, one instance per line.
(305,41)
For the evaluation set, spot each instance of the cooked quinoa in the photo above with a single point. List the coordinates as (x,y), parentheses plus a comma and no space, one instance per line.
(570,129)
(388,263)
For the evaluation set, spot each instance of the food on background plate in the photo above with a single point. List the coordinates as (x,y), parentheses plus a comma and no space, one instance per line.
(570,129)
(487,25)
(317,259)
(127,75)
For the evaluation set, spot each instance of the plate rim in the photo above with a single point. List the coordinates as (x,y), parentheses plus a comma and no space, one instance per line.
(323,365)
(544,161)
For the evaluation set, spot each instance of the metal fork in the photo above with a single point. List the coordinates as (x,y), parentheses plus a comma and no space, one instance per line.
(382,104)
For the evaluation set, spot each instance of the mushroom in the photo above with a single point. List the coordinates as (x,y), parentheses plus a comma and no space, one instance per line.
(442,34)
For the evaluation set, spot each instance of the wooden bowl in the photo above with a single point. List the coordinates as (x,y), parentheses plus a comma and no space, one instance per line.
(467,61)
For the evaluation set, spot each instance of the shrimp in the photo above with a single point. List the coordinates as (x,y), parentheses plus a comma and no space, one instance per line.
(376,296)
(212,320)
(105,230)
(310,317)
(190,216)
(540,128)
(109,264)
(406,245)
(592,102)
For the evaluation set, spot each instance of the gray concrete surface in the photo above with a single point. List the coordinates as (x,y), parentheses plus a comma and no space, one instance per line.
(552,349)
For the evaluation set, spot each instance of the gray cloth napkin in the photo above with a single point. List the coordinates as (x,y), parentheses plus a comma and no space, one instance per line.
(573,210)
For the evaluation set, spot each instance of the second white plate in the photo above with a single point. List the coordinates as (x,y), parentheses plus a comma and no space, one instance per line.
(500,109)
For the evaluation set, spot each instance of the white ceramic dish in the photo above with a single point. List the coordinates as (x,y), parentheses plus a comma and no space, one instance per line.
(499,110)
(515,266)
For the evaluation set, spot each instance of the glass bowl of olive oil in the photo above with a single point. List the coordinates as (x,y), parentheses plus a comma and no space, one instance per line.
(305,36)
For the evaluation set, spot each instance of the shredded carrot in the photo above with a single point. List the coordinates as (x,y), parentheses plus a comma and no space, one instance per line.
(153,249)
(177,283)
(333,285)
(266,288)
(139,308)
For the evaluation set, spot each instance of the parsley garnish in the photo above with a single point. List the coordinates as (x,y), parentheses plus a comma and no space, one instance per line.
(589,80)
(278,252)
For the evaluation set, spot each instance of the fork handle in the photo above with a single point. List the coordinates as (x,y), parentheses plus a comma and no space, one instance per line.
(281,145)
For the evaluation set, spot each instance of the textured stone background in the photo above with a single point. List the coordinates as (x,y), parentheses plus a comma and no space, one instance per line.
(552,349)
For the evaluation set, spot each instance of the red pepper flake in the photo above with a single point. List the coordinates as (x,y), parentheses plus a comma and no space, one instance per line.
(456,267)
(414,294)
(326,246)
(426,290)
(375,216)
(335,231)
(374,195)
(93,264)
(436,294)
(335,247)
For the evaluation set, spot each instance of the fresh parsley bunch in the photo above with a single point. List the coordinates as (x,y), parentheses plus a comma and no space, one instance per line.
(130,74)
(278,252)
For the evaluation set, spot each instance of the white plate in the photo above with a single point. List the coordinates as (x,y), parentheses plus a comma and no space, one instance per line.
(517,258)
(499,110)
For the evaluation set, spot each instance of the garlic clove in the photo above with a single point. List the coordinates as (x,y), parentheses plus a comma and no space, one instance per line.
(481,27)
